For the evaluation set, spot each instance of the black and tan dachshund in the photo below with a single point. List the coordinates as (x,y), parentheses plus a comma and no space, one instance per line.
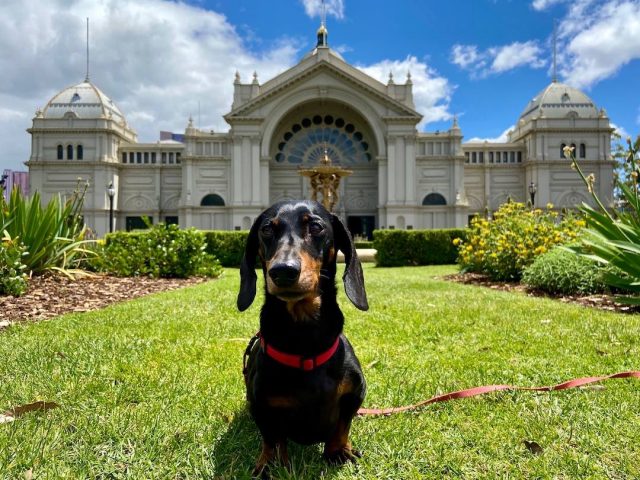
(304,382)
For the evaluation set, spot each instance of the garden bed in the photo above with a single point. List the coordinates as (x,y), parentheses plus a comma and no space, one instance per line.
(601,301)
(52,295)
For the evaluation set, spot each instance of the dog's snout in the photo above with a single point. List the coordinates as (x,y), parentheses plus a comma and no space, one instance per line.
(285,274)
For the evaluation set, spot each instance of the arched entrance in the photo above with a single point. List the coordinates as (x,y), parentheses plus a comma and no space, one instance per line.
(301,139)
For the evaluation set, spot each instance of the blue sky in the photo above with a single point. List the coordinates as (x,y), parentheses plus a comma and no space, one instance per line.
(158,60)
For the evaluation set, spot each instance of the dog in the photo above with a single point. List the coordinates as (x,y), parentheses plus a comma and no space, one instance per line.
(303,380)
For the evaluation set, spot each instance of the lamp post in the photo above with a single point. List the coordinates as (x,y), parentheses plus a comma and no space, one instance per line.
(112,193)
(532,193)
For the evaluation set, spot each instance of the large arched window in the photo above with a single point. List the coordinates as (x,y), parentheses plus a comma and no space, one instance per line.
(69,152)
(212,200)
(434,199)
(80,152)
(308,140)
(60,152)
(583,150)
(562,150)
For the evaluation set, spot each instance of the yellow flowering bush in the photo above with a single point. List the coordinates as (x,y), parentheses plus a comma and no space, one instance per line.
(504,246)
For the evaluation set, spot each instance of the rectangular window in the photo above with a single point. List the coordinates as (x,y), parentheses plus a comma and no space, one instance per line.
(153,157)
(178,157)
(171,157)
(519,157)
(430,148)
(164,157)
(490,157)
(480,157)
(512,157)
(131,157)
(136,223)
(466,157)
(124,157)
(138,157)
(171,220)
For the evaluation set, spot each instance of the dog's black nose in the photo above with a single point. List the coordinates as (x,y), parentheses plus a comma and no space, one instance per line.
(285,274)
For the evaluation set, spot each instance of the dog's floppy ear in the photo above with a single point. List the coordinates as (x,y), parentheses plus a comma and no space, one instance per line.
(353,277)
(248,275)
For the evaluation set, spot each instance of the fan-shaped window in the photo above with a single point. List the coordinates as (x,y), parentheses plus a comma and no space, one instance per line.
(307,142)
(566,98)
(212,200)
(60,152)
(80,152)
(562,150)
(69,152)
(75,98)
(434,199)
(583,150)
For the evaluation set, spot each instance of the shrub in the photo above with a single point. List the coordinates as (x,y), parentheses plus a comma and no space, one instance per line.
(504,247)
(396,248)
(53,235)
(613,237)
(13,280)
(162,251)
(227,246)
(561,271)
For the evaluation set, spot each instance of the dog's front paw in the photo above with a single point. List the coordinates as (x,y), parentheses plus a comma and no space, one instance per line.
(342,455)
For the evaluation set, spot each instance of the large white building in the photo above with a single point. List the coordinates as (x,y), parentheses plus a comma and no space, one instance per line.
(401,178)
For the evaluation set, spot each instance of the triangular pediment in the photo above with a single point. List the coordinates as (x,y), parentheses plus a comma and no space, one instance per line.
(322,73)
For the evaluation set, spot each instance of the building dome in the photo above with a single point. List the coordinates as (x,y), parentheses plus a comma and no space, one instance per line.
(84,101)
(560,101)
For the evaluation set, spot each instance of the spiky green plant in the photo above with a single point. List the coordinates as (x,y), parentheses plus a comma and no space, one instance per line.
(53,235)
(612,236)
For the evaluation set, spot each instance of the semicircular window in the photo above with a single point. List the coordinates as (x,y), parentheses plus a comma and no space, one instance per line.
(212,200)
(434,199)
(305,142)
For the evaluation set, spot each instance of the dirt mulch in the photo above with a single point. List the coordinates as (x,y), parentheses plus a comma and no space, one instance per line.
(601,301)
(52,295)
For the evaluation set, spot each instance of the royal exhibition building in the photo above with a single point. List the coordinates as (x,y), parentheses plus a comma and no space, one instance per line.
(321,108)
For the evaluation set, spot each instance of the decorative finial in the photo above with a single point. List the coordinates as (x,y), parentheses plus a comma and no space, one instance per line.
(409,77)
(237,79)
(455,121)
(322,33)
(326,160)
(555,51)
(87,77)
(255,77)
(190,124)
(390,78)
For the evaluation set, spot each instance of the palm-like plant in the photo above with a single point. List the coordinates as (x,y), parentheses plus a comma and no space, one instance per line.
(53,235)
(613,236)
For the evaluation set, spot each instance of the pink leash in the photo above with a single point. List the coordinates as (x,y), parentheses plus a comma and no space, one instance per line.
(472,392)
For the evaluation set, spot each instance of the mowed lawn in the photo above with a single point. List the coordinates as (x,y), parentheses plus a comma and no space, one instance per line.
(152,388)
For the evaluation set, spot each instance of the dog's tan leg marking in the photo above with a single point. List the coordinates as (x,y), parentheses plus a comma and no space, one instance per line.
(338,449)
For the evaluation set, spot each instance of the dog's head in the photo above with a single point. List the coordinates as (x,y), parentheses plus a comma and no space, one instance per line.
(297,242)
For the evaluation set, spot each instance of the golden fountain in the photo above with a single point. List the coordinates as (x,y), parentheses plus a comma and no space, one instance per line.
(325,179)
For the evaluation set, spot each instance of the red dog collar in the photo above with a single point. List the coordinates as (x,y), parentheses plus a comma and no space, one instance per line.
(298,361)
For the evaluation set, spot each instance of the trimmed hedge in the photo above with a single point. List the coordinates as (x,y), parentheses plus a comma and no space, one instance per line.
(398,248)
(226,246)
(163,251)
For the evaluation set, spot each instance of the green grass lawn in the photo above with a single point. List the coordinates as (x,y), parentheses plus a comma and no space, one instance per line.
(152,388)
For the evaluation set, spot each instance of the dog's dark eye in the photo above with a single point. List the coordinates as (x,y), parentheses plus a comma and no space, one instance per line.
(315,228)
(267,230)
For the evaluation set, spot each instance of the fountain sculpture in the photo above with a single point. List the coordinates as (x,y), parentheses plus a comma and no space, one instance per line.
(325,179)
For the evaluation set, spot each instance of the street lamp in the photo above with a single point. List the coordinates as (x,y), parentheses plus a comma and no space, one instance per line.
(532,192)
(112,193)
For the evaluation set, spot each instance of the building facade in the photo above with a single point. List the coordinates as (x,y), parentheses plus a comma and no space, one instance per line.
(402,178)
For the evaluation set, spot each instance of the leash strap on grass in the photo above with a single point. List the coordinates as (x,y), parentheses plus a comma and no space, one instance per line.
(472,392)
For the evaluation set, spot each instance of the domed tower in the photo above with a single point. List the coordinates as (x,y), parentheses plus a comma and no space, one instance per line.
(559,116)
(76,136)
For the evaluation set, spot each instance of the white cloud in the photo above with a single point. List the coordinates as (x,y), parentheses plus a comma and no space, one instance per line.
(620,130)
(466,55)
(544,4)
(597,39)
(155,58)
(496,60)
(313,8)
(515,55)
(502,138)
(431,92)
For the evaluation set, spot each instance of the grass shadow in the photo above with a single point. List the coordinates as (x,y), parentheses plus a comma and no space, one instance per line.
(235,452)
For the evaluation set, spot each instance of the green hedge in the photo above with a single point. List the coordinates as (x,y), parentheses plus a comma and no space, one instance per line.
(162,251)
(227,246)
(397,248)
